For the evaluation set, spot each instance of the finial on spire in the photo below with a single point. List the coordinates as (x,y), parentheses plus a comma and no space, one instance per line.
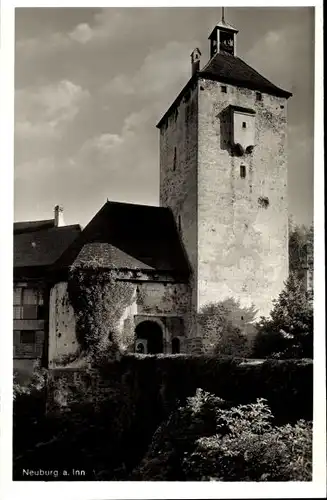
(223,14)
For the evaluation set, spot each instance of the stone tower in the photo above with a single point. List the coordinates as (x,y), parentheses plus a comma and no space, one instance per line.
(223,172)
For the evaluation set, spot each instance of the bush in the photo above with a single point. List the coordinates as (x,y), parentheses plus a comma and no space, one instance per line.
(247,447)
(158,382)
(107,418)
(207,439)
(177,436)
(227,328)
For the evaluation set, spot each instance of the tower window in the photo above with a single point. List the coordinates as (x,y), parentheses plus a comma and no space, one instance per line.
(223,88)
(243,171)
(174,164)
(243,124)
(27,337)
(175,346)
(179,223)
(258,96)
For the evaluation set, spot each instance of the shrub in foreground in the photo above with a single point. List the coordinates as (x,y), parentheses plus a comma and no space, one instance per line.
(209,440)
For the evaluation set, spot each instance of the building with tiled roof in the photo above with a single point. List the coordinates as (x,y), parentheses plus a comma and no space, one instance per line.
(37,246)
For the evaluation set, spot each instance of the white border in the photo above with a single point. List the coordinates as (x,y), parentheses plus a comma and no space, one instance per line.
(93,490)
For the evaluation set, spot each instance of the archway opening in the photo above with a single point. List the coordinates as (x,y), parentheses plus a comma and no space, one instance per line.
(175,346)
(151,333)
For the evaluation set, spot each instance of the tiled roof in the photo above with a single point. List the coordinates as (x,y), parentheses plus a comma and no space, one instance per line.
(230,69)
(131,237)
(35,225)
(226,68)
(40,243)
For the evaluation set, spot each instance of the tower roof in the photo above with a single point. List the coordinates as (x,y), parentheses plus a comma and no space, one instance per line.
(233,70)
(230,69)
(225,26)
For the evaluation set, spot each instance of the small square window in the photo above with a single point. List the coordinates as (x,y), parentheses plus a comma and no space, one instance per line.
(223,88)
(27,337)
(258,96)
(242,171)
(244,125)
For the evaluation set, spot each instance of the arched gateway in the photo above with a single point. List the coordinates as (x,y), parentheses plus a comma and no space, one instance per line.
(149,338)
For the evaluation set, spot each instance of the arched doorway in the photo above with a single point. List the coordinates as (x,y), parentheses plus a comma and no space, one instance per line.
(151,332)
(175,346)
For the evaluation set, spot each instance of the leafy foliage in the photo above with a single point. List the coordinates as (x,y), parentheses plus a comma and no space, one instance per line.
(176,437)
(227,328)
(300,245)
(108,417)
(288,332)
(207,439)
(247,447)
(35,385)
(99,300)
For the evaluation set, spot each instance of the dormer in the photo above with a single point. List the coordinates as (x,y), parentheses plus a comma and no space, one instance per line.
(223,39)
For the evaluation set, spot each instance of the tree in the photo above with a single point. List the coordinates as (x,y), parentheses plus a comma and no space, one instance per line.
(288,332)
(301,251)
(227,327)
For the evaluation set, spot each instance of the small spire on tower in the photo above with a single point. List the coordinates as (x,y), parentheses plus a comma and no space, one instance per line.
(223,38)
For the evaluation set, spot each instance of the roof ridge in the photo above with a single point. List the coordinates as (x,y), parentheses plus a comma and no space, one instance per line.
(262,80)
(259,74)
(109,202)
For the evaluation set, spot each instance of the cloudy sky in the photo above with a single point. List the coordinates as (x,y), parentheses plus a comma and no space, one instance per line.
(91,85)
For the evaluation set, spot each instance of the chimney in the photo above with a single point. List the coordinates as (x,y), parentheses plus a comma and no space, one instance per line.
(195,60)
(59,216)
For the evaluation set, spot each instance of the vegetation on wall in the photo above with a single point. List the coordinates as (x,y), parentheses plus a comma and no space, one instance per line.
(288,332)
(98,300)
(108,419)
(227,328)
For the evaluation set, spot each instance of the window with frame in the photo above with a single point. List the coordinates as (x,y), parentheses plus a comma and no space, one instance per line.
(223,89)
(242,171)
(243,124)
(28,303)
(27,337)
(175,159)
(258,96)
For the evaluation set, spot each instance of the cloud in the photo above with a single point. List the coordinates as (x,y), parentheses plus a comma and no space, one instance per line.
(45,115)
(278,48)
(161,75)
(110,24)
(93,84)
(124,165)
(42,45)
(40,169)
(48,107)
(82,33)
(39,131)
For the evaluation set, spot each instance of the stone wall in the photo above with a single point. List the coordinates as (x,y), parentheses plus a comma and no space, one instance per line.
(62,335)
(242,222)
(178,178)
(165,303)
(234,228)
